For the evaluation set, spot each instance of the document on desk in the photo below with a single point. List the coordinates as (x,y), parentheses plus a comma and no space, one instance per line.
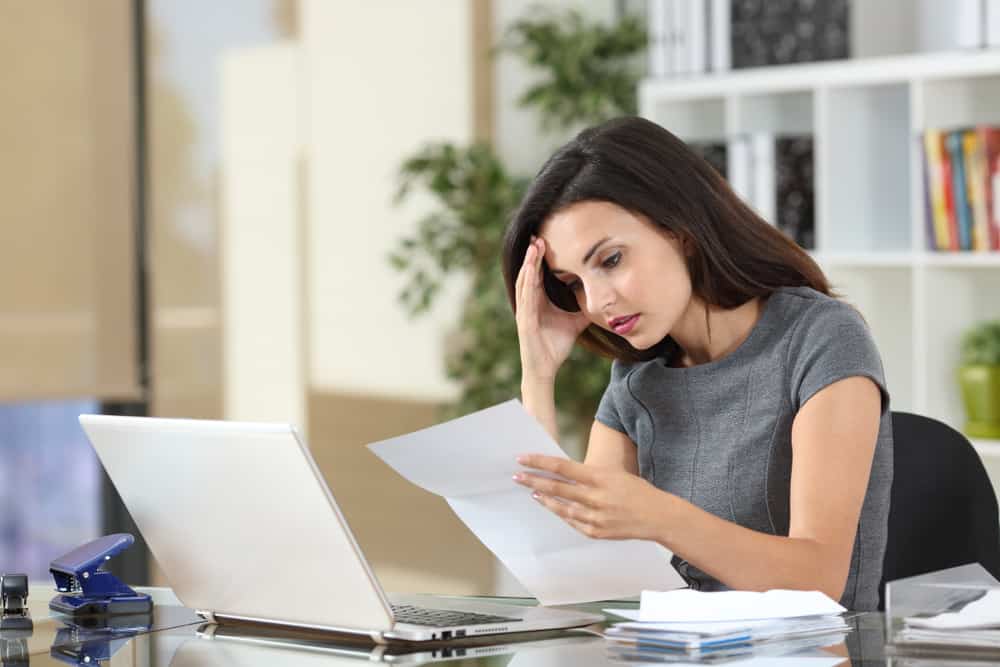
(470,461)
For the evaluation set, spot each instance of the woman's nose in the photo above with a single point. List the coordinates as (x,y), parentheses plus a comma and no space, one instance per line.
(599,298)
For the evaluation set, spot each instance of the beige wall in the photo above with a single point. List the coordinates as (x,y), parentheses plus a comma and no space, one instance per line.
(313,135)
(67,272)
(379,89)
(261,232)
(412,538)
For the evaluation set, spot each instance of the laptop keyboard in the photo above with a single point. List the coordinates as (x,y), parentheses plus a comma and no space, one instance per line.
(444,618)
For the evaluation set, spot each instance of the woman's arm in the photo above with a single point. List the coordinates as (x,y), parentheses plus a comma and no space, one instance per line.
(833,444)
(608,448)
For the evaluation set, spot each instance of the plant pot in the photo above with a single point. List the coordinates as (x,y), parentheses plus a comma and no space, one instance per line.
(981,395)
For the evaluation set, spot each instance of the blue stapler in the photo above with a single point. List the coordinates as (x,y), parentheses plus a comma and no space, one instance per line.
(87,589)
(89,640)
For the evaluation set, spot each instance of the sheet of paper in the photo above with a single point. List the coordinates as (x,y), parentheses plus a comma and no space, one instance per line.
(761,629)
(981,613)
(470,461)
(689,606)
(595,654)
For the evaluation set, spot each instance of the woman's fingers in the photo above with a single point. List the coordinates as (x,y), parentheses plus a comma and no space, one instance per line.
(580,518)
(566,468)
(555,488)
(527,290)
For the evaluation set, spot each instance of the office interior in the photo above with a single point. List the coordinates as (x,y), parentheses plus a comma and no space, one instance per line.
(199,205)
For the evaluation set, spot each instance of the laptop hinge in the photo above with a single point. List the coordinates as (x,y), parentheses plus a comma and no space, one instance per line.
(207,615)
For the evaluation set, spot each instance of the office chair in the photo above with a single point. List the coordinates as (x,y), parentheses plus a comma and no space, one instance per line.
(944,509)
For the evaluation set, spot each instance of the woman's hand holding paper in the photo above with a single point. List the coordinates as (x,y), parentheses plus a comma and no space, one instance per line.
(603,503)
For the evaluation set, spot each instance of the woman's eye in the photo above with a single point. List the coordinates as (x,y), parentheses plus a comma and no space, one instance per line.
(612,260)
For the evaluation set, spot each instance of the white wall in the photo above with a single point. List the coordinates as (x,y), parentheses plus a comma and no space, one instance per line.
(383,79)
(262,289)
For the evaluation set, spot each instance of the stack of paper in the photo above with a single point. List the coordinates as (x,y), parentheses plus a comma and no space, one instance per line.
(975,625)
(727,623)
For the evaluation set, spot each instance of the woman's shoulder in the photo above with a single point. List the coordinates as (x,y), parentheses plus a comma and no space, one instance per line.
(807,312)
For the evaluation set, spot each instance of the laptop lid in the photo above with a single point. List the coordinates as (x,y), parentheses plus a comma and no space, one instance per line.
(240,520)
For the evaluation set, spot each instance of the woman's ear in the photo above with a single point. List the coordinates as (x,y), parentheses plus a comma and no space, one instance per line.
(684,243)
(688,246)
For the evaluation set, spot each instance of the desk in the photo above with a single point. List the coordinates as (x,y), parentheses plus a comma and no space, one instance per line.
(179,638)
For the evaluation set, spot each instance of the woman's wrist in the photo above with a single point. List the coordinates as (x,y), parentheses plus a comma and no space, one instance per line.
(537,381)
(666,518)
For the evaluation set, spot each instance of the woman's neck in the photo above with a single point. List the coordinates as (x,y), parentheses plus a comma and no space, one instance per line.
(708,333)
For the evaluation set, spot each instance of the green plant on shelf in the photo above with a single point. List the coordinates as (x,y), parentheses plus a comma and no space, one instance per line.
(588,72)
(979,378)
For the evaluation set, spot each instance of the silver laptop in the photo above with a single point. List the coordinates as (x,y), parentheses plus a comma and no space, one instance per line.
(245,528)
(228,645)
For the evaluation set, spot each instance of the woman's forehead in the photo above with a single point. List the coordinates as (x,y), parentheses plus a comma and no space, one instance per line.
(570,232)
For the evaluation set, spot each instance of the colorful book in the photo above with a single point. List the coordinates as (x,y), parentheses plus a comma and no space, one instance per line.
(930,233)
(963,215)
(991,153)
(937,161)
(974,156)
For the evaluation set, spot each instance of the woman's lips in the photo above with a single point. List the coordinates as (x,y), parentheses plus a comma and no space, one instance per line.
(623,325)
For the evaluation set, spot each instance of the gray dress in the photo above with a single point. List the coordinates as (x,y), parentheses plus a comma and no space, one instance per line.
(719,434)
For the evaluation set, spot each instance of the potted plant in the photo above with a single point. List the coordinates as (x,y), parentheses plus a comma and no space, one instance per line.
(979,376)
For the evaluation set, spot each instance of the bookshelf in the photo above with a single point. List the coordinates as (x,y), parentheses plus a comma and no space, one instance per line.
(866,117)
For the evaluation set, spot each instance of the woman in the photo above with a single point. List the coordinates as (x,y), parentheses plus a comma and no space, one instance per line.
(746,423)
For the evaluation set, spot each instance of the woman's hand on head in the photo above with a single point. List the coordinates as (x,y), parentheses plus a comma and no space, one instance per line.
(604,503)
(546,332)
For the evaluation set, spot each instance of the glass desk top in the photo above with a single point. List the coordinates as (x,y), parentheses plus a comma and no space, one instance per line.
(176,637)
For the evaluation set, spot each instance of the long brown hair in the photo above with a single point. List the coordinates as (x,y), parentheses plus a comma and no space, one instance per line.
(734,255)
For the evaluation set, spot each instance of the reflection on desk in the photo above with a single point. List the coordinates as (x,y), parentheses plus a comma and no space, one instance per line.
(177,637)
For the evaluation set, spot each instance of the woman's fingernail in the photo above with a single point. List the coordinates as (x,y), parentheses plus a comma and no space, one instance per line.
(537,496)
(521,459)
(518,477)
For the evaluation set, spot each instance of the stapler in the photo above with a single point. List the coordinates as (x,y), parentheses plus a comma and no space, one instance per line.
(89,640)
(14,598)
(86,588)
(15,621)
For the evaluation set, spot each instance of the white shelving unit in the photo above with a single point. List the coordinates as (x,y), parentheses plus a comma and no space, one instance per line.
(866,117)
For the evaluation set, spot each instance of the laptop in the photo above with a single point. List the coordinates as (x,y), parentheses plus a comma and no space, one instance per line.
(245,528)
(229,645)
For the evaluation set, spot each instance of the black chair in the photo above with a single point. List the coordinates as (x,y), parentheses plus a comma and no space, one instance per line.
(944,509)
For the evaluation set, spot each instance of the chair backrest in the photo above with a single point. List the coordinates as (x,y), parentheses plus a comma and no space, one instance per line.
(944,509)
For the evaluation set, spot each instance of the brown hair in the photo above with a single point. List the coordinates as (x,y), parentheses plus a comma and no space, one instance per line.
(734,255)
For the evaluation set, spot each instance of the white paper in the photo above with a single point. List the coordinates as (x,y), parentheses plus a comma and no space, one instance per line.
(470,461)
(690,606)
(595,654)
(760,629)
(981,613)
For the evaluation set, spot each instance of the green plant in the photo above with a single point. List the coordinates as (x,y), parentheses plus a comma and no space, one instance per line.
(590,70)
(589,74)
(981,345)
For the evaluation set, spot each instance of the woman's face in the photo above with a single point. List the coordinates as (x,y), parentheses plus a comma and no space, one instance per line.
(628,275)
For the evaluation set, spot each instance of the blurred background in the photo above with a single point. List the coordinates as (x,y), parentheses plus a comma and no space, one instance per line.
(290,210)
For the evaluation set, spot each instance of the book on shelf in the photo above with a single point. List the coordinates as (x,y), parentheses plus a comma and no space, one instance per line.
(963,213)
(777,33)
(687,36)
(961,174)
(973,154)
(992,22)
(698,36)
(773,173)
(991,155)
(949,26)
(656,38)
